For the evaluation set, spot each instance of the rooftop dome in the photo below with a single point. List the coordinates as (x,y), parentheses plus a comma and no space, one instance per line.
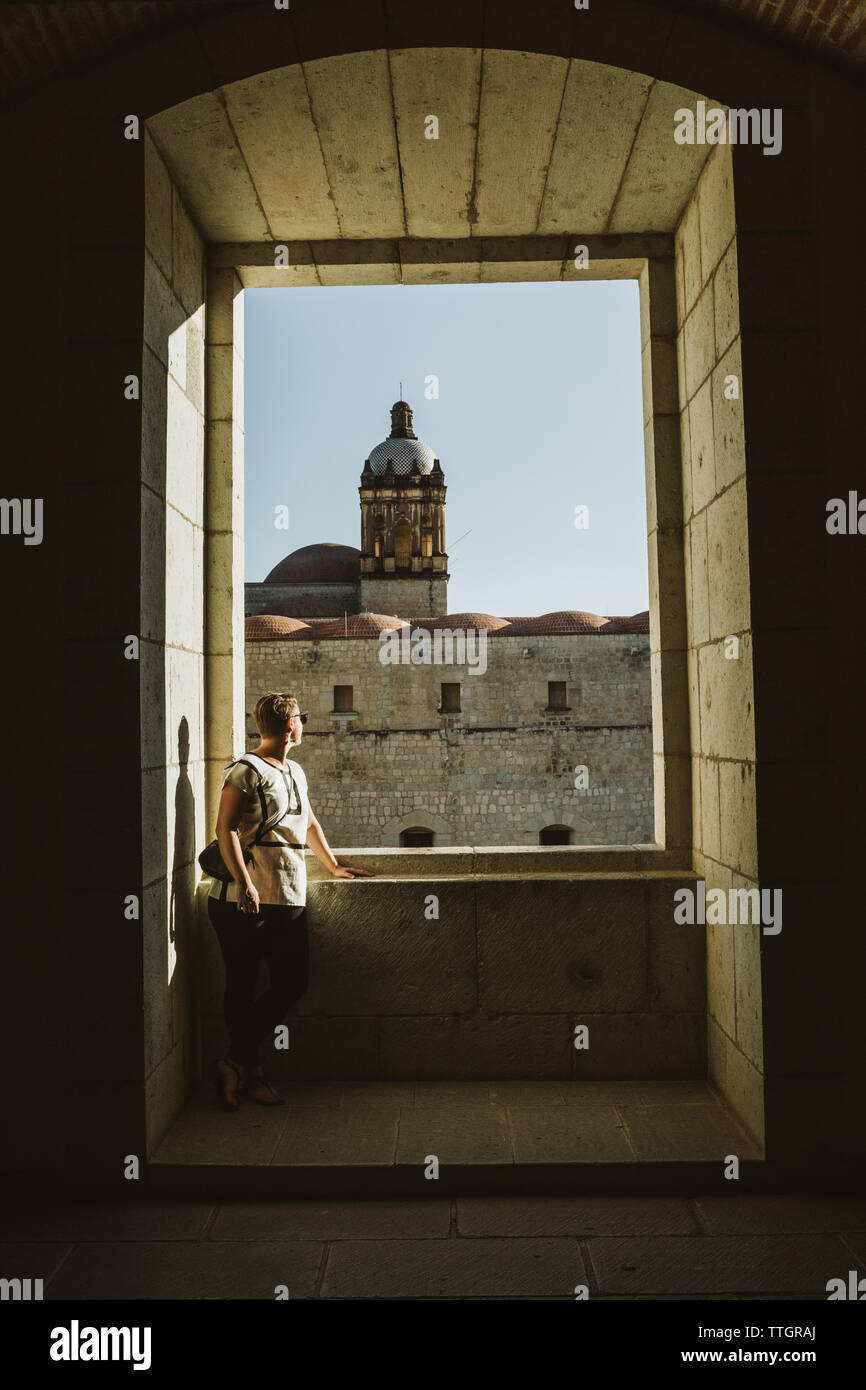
(402,446)
(459,622)
(564,621)
(358,625)
(637,623)
(325,563)
(264,627)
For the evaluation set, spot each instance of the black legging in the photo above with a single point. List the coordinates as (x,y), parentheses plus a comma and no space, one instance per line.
(278,935)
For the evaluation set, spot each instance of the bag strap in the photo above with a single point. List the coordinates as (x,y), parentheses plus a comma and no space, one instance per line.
(291,787)
(268,823)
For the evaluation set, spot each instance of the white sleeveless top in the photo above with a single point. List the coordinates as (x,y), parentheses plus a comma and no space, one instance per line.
(277,868)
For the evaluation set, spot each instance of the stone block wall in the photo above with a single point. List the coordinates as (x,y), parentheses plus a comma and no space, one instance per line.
(172,635)
(493,985)
(497,772)
(405,598)
(290,598)
(718,621)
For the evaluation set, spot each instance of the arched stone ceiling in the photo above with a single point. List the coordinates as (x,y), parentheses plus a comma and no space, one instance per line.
(529,144)
(38,41)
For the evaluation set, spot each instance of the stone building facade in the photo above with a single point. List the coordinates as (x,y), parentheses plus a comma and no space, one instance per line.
(516,731)
(500,769)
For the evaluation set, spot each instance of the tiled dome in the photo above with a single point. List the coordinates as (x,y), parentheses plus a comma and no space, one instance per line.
(460,621)
(552,624)
(265,627)
(325,563)
(638,623)
(358,625)
(402,446)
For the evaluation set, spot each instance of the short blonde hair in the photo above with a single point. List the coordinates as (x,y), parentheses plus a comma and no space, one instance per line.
(272,712)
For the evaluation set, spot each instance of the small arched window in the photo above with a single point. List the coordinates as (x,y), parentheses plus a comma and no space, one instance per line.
(417,837)
(555,835)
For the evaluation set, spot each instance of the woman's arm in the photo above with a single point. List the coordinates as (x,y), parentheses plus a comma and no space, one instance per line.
(323,852)
(228,818)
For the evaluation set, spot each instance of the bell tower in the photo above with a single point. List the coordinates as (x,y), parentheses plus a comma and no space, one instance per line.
(404,567)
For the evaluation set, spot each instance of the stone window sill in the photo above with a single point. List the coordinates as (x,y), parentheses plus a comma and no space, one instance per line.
(520,861)
(343,715)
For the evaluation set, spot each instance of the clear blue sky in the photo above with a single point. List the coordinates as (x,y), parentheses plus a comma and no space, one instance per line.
(539,410)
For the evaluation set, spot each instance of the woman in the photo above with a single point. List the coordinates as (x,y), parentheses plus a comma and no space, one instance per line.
(260,914)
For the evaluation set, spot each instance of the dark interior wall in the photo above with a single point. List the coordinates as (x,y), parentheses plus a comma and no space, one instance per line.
(73,321)
(804,347)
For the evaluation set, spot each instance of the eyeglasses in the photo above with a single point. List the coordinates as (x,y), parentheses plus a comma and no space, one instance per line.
(303,717)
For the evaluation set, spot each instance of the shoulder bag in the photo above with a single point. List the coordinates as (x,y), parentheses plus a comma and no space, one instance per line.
(211,860)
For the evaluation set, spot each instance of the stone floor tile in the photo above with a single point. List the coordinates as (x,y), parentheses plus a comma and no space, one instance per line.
(639,1093)
(387,1094)
(568,1134)
(204,1134)
(177,1270)
(480,1135)
(533,1093)
(333,1220)
(856,1242)
(757,1214)
(451,1093)
(783,1297)
(573,1216)
(680,1133)
(81,1220)
(706,1298)
(452,1269)
(716,1264)
(331,1095)
(32,1260)
(353,1134)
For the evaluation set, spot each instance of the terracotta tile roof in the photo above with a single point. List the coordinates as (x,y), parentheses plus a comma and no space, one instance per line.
(565,621)
(267,627)
(359,625)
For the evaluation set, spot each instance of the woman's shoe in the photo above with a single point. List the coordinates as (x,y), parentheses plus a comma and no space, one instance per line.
(228,1079)
(259,1089)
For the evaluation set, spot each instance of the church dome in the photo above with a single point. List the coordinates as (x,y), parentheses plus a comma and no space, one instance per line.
(562,622)
(637,623)
(402,446)
(360,625)
(265,627)
(461,622)
(325,563)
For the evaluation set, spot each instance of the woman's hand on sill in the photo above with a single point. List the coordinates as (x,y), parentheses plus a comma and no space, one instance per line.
(349,871)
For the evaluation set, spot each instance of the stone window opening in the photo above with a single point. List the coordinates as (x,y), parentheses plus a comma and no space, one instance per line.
(663,321)
(449,701)
(557,695)
(344,699)
(417,837)
(402,544)
(555,835)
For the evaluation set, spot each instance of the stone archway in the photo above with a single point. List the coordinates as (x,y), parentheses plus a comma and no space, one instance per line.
(690,341)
